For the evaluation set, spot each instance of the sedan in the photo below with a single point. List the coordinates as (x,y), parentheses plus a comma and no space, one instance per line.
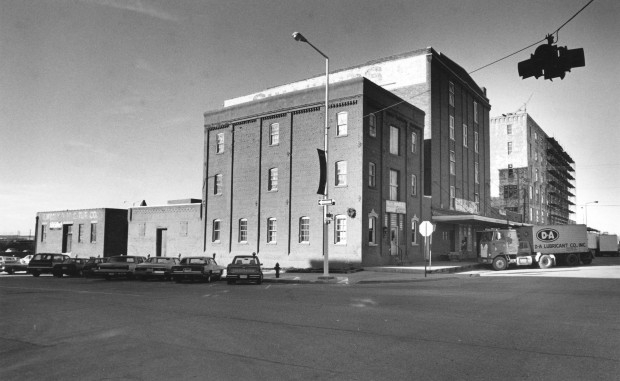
(197,268)
(156,267)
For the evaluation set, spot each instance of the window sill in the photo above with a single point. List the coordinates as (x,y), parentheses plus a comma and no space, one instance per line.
(373,244)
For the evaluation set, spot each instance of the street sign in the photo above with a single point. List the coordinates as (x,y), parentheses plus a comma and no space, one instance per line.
(426,228)
(327,202)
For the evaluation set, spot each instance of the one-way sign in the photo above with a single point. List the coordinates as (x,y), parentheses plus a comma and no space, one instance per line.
(327,202)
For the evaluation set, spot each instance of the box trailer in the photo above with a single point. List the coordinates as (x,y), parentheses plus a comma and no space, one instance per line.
(607,245)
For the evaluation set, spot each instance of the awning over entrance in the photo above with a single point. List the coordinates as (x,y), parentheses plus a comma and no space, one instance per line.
(474,219)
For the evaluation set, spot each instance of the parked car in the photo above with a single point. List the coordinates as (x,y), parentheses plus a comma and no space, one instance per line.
(44,263)
(11,264)
(88,270)
(71,267)
(197,268)
(156,267)
(119,266)
(244,268)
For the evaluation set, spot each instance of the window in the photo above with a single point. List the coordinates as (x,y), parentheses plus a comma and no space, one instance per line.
(80,232)
(341,173)
(531,192)
(464,135)
(215,236)
(394,140)
(341,129)
(452,196)
(274,134)
(304,229)
(394,185)
(43,233)
(93,232)
(476,141)
(510,170)
(451,93)
(477,200)
(510,191)
(183,228)
(451,127)
(372,230)
(219,143)
(217,184)
(414,142)
(272,230)
(372,175)
(536,177)
(243,230)
(509,148)
(372,125)
(341,230)
(414,231)
(475,112)
(414,185)
(476,173)
(509,129)
(272,183)
(452,163)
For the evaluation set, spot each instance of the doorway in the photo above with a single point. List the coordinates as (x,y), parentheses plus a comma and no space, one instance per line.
(67,238)
(162,242)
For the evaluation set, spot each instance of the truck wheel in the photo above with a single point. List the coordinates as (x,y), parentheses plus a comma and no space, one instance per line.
(500,263)
(545,262)
(572,260)
(586,259)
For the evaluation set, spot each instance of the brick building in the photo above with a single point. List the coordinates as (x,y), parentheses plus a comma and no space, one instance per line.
(261,175)
(82,233)
(531,175)
(166,230)
(456,137)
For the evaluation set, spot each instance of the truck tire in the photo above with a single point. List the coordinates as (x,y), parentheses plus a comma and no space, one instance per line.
(586,258)
(545,262)
(572,260)
(500,263)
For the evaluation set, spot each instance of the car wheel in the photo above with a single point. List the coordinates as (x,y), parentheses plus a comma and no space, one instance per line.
(177,279)
(208,277)
(9,271)
(35,274)
(545,262)
(57,274)
(107,277)
(260,280)
(500,263)
(231,281)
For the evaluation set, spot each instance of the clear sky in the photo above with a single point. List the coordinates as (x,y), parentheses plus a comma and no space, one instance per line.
(101,101)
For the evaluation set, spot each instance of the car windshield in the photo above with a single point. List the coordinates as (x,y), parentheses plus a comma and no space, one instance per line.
(245,260)
(161,260)
(122,259)
(197,261)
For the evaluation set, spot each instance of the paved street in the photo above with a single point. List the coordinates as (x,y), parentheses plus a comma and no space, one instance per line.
(444,328)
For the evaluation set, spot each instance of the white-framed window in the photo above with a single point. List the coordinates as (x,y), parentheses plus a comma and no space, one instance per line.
(414,185)
(372,229)
(414,142)
(304,229)
(219,143)
(531,192)
(451,127)
(451,93)
(394,180)
(80,233)
(274,134)
(452,163)
(341,128)
(509,129)
(509,148)
(272,230)
(372,125)
(215,233)
(243,230)
(476,173)
(414,231)
(465,135)
(272,183)
(394,140)
(452,196)
(341,173)
(217,184)
(93,232)
(476,141)
(340,226)
(475,112)
(372,175)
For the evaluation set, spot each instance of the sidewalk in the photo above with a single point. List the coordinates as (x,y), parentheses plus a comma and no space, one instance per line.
(370,275)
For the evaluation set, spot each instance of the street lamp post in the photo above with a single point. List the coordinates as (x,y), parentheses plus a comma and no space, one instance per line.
(586,206)
(299,37)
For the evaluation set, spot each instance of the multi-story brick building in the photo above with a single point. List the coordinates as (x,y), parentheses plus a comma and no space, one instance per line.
(82,233)
(261,175)
(531,174)
(456,137)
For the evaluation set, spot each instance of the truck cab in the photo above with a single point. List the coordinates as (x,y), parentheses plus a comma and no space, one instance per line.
(501,247)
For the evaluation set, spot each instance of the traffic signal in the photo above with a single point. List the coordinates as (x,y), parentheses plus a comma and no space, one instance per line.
(551,61)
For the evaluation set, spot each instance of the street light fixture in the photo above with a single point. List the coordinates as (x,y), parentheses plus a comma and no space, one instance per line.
(586,206)
(299,37)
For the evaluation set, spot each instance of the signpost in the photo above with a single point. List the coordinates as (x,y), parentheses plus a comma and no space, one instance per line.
(426,230)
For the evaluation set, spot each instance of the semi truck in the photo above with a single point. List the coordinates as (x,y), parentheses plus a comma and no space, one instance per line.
(544,245)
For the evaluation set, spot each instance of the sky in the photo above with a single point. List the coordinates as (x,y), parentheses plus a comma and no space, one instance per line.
(102,101)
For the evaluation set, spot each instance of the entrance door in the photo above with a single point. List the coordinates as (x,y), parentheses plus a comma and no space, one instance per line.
(394,239)
(162,240)
(67,237)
